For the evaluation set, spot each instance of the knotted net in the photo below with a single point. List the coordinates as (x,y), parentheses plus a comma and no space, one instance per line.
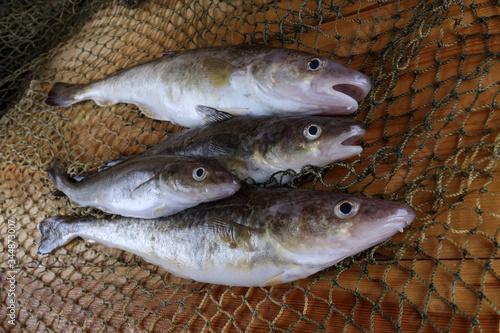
(432,142)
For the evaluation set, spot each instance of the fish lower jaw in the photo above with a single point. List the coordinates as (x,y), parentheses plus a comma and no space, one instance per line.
(330,105)
(332,101)
(310,102)
(340,153)
(378,234)
(352,137)
(212,194)
(355,91)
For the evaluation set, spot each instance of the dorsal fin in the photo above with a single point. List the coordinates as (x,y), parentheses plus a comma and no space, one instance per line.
(110,164)
(106,166)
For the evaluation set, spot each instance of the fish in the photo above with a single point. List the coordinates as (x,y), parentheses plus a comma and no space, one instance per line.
(258,147)
(238,80)
(256,237)
(148,187)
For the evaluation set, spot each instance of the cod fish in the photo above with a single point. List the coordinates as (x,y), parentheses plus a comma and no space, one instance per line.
(149,187)
(239,80)
(258,147)
(257,237)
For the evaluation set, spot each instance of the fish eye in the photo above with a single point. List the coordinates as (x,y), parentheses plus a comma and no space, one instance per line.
(346,209)
(312,131)
(199,174)
(315,64)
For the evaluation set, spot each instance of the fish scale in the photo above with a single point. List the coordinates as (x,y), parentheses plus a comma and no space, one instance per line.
(238,80)
(258,147)
(149,187)
(256,237)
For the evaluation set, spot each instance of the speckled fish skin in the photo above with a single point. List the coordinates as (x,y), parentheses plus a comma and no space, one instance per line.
(149,187)
(258,147)
(239,80)
(257,237)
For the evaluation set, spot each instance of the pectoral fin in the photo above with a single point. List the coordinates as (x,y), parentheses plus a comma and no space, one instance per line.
(238,167)
(217,71)
(211,115)
(219,149)
(278,278)
(233,234)
(148,112)
(103,102)
(158,209)
(144,189)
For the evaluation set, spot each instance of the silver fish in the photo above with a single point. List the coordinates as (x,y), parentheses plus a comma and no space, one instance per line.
(239,80)
(257,237)
(149,187)
(258,147)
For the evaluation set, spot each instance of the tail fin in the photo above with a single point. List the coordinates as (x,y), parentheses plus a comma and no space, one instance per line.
(52,233)
(58,176)
(63,94)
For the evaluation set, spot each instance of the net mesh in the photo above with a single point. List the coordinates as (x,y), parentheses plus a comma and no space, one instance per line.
(432,141)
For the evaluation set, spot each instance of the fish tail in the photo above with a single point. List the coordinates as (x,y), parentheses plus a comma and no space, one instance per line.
(63,94)
(59,177)
(54,233)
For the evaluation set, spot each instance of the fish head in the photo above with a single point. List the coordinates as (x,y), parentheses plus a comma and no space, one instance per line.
(311,82)
(338,227)
(292,142)
(199,180)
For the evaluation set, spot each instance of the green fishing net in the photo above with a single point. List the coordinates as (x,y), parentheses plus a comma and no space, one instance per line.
(432,141)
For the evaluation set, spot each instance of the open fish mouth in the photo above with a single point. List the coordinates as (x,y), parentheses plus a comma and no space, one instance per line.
(356,92)
(353,136)
(344,146)
(356,87)
(343,95)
